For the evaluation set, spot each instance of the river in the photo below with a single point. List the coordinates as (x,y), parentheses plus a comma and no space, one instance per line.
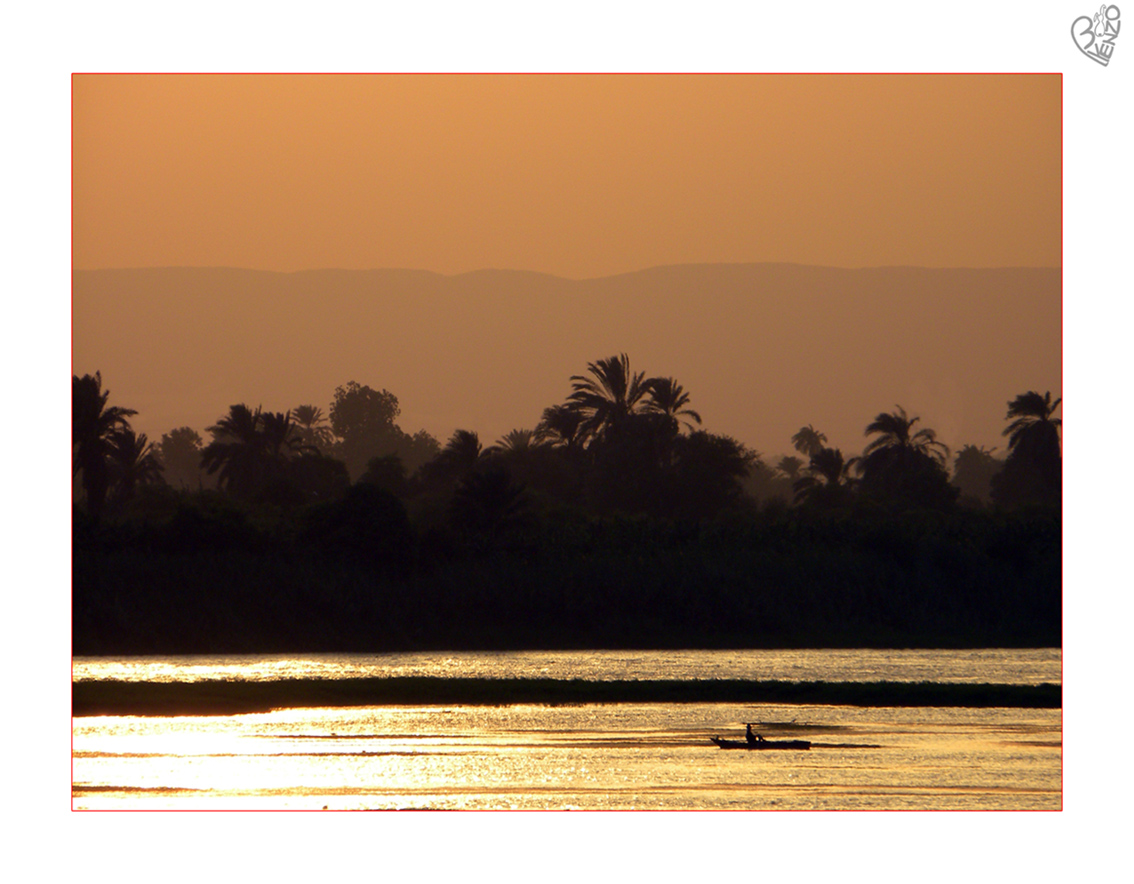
(585,757)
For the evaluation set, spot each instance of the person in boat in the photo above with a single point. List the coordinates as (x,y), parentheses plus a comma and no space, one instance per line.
(751,737)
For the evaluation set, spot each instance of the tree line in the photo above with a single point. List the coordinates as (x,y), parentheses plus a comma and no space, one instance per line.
(620,442)
(616,521)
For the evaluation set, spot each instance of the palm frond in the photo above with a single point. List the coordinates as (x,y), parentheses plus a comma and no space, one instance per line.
(665,396)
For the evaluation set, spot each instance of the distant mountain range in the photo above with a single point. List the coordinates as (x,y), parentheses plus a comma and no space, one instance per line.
(763,349)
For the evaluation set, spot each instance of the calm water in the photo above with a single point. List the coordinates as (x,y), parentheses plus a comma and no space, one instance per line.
(619,756)
(995,665)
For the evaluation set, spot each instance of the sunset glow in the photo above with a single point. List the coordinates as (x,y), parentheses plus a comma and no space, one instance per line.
(576,176)
(573,175)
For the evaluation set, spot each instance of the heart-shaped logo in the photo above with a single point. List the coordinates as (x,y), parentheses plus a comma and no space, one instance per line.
(1095,35)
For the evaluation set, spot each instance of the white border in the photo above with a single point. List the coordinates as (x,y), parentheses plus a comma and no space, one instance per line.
(58,39)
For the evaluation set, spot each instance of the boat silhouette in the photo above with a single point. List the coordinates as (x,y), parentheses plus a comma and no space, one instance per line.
(761,743)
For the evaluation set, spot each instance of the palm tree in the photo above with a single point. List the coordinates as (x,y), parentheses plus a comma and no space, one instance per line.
(237,450)
(312,426)
(1034,424)
(808,441)
(1033,471)
(666,397)
(515,442)
(826,472)
(92,426)
(894,435)
(608,397)
(460,456)
(560,425)
(133,462)
(790,466)
(282,437)
(283,445)
(904,468)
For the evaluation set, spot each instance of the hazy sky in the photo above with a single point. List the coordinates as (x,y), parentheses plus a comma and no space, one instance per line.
(573,175)
(578,176)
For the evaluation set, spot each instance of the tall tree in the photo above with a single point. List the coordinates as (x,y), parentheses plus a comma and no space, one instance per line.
(708,472)
(458,459)
(809,441)
(1034,425)
(515,442)
(364,419)
(894,432)
(179,453)
(93,424)
(609,396)
(903,468)
(790,466)
(312,426)
(973,471)
(133,462)
(282,438)
(560,425)
(417,450)
(237,452)
(826,479)
(1033,471)
(665,396)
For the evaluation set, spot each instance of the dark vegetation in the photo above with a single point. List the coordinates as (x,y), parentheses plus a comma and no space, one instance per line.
(231,697)
(617,521)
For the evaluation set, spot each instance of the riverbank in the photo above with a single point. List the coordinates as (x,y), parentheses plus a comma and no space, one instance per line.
(236,697)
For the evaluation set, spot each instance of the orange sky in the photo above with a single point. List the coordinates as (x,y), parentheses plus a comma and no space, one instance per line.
(578,176)
(572,175)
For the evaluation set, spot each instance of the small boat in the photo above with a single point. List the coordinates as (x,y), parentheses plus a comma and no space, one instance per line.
(761,744)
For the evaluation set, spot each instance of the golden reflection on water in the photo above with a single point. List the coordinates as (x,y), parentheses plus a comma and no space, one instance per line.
(585,757)
(1006,666)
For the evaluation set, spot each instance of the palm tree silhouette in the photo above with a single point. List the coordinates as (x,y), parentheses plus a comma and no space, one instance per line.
(312,426)
(1034,425)
(608,397)
(460,456)
(895,438)
(790,466)
(808,441)
(560,425)
(515,442)
(903,468)
(665,396)
(1033,471)
(282,437)
(237,452)
(826,472)
(133,462)
(92,426)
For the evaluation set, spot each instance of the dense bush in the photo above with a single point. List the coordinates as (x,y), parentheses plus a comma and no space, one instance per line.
(356,575)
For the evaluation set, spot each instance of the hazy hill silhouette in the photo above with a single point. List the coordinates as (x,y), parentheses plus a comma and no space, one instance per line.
(763,349)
